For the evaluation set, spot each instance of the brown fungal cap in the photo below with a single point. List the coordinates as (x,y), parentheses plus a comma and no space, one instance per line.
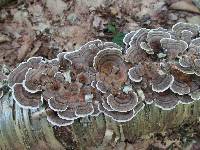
(68,114)
(32,81)
(18,74)
(162,83)
(122,102)
(25,99)
(106,55)
(57,105)
(166,101)
(84,110)
(180,87)
(53,118)
(118,116)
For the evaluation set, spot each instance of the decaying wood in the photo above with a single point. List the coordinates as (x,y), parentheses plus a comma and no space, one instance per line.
(20,129)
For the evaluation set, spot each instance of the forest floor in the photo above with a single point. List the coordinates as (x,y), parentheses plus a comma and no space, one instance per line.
(46,27)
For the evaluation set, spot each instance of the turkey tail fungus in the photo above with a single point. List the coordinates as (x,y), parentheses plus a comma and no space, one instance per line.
(157,66)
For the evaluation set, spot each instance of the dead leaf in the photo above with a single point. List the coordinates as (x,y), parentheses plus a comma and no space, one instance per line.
(56,6)
(185,6)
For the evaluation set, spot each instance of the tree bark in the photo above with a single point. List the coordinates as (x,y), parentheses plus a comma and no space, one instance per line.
(20,129)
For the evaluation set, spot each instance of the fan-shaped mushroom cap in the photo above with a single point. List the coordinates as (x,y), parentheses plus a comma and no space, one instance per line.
(195,95)
(53,118)
(180,87)
(134,53)
(122,102)
(173,47)
(101,87)
(186,70)
(118,116)
(185,61)
(32,81)
(185,99)
(57,105)
(166,101)
(127,38)
(18,74)
(111,70)
(139,36)
(146,47)
(162,83)
(68,114)
(85,55)
(106,55)
(25,99)
(186,36)
(105,105)
(153,40)
(84,110)
(135,73)
(179,27)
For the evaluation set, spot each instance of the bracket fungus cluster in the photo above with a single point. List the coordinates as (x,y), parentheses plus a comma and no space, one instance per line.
(157,66)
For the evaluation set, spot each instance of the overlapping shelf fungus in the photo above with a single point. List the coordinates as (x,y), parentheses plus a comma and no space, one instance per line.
(157,66)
